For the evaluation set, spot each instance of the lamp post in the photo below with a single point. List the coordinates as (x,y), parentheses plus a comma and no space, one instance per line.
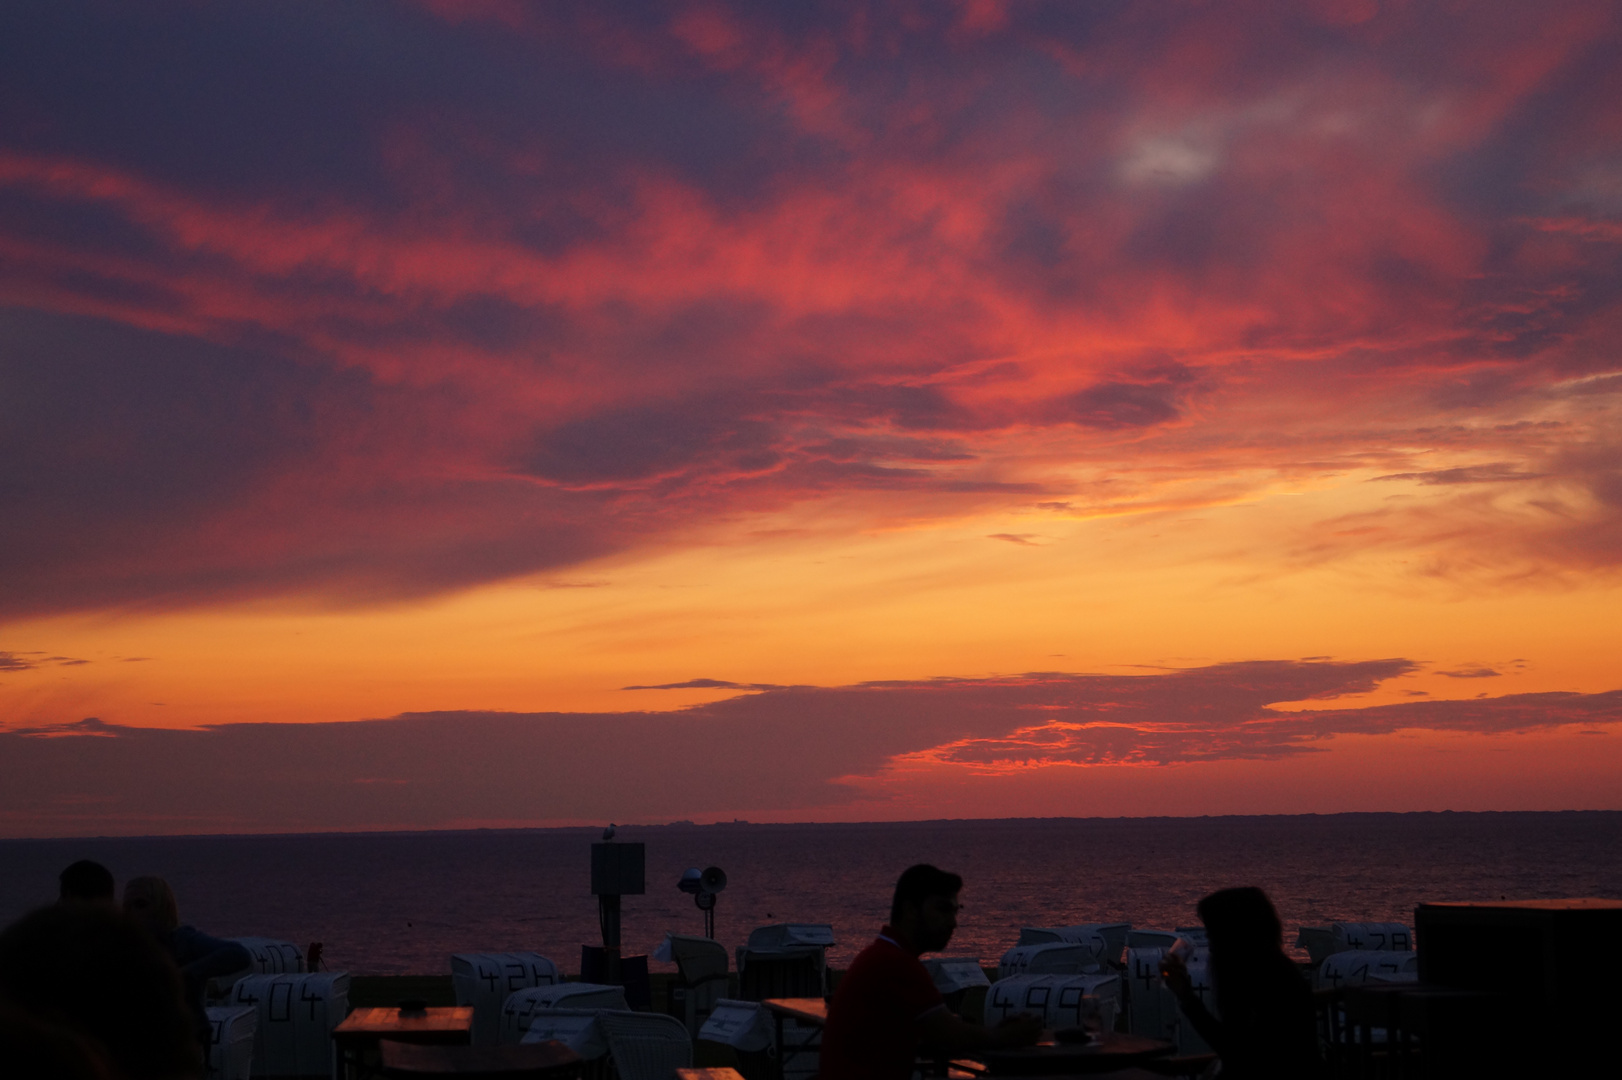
(703,885)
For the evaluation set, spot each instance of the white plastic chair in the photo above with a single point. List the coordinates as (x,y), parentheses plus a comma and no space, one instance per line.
(646,1046)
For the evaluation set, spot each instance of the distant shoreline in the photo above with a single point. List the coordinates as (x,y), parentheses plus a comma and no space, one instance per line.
(741,824)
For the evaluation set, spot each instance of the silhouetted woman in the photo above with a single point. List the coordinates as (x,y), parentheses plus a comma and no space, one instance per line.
(150,902)
(1267,1027)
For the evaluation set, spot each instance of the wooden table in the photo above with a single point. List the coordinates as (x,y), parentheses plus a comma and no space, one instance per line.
(1109,1051)
(813,1011)
(532,1061)
(356,1039)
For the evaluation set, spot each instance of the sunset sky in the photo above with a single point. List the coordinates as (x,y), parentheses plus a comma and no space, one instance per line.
(487,414)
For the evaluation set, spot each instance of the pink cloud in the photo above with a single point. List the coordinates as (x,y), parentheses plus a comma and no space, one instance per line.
(589,277)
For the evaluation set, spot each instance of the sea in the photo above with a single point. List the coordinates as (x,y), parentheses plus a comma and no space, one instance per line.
(403,902)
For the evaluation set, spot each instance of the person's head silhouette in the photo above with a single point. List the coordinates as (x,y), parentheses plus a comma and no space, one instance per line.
(151,902)
(1239,921)
(86,882)
(924,911)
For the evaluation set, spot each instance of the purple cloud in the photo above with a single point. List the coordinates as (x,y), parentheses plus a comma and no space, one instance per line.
(785,750)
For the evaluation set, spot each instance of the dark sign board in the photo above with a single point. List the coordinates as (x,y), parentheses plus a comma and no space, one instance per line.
(616,869)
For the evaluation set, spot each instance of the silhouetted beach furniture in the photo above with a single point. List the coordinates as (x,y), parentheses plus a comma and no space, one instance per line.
(645,1046)
(522,1006)
(745,1026)
(231,1032)
(1060,1001)
(954,973)
(1114,935)
(266,956)
(1358,966)
(1561,994)
(1051,958)
(486,980)
(1151,939)
(1324,941)
(785,960)
(578,1030)
(528,1061)
(962,982)
(355,1041)
(270,956)
(1151,1007)
(797,1024)
(637,1045)
(702,976)
(295,1018)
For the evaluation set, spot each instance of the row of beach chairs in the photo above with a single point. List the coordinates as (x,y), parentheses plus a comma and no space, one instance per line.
(276,1019)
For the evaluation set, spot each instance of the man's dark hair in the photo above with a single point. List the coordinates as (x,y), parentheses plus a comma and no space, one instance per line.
(87,880)
(919,883)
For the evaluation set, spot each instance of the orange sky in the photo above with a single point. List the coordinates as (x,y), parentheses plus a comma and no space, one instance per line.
(497,360)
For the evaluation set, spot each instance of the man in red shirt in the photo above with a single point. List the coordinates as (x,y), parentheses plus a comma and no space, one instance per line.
(887,1004)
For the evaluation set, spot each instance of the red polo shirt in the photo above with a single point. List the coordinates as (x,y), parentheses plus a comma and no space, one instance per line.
(872,1029)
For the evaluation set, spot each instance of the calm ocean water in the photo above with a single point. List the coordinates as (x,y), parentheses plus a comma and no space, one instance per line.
(398,903)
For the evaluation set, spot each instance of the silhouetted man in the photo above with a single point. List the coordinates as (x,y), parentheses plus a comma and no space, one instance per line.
(887,1004)
(87,882)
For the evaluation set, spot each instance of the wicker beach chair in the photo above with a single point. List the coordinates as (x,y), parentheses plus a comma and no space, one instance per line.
(646,1046)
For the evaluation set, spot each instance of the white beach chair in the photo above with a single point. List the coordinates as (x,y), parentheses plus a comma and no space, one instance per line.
(1114,935)
(954,973)
(1372,936)
(785,960)
(294,1021)
(1353,967)
(1151,1007)
(230,1041)
(521,1007)
(1053,958)
(646,1046)
(266,956)
(746,1026)
(486,980)
(1318,941)
(575,1028)
(702,975)
(1062,1001)
(1151,939)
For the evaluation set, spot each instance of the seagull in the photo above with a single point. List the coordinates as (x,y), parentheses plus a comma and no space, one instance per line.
(608,833)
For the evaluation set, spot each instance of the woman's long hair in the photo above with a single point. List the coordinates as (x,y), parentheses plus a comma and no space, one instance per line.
(1246,941)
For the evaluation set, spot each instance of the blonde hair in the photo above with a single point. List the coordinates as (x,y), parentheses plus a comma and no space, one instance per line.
(151,902)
